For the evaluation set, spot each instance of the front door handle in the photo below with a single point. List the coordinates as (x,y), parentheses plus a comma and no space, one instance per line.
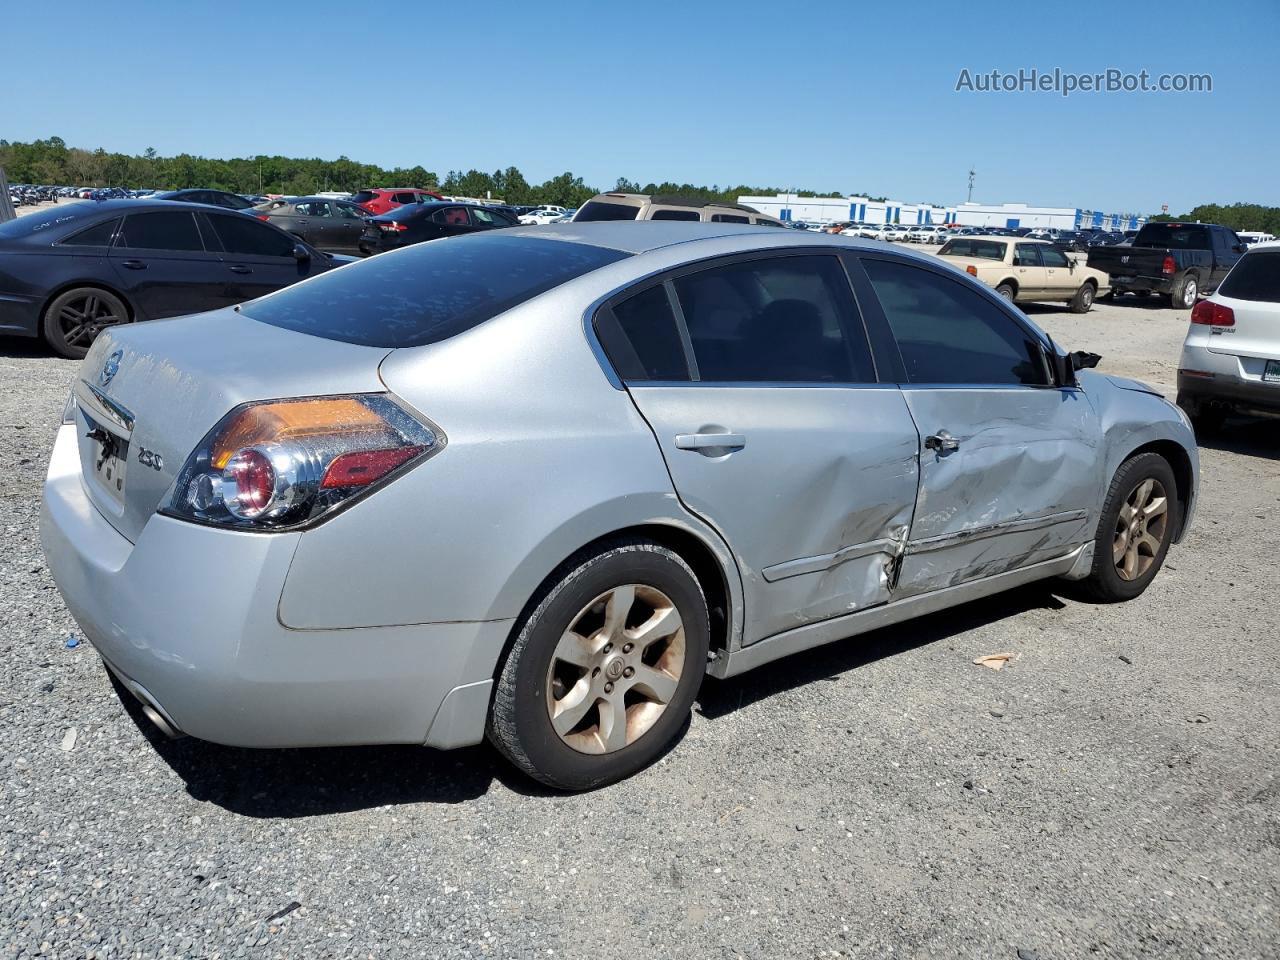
(704,441)
(942,441)
(239,268)
(133,264)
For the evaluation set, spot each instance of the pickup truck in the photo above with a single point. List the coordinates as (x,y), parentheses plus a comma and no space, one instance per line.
(1179,261)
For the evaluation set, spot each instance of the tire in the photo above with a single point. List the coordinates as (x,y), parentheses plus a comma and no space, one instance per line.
(585,747)
(1185,292)
(1113,579)
(75,317)
(1006,290)
(1082,302)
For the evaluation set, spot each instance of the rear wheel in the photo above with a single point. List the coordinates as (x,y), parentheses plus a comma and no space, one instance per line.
(1138,522)
(1006,290)
(602,674)
(1082,302)
(76,317)
(1185,292)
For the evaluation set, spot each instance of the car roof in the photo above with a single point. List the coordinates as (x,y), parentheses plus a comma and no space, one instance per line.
(644,236)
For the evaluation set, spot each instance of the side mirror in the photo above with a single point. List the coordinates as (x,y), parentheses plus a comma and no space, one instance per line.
(1081,360)
(1240,248)
(301,253)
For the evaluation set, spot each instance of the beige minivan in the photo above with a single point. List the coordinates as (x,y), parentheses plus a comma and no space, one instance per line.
(641,206)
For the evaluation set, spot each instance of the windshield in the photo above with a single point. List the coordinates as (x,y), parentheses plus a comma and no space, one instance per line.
(1255,277)
(599,210)
(428,292)
(1173,236)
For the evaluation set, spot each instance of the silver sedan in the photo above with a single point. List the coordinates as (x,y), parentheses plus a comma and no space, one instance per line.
(535,484)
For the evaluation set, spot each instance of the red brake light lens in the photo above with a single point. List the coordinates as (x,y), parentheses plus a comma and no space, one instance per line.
(1168,268)
(1213,314)
(393,227)
(282,464)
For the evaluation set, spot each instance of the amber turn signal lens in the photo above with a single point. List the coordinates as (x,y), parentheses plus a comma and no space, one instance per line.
(294,420)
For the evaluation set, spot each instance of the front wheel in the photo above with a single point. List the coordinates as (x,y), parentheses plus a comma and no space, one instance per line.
(75,318)
(1082,302)
(602,674)
(1139,520)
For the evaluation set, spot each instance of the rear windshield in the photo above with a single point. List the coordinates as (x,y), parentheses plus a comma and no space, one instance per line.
(364,196)
(1173,236)
(1255,277)
(428,292)
(598,210)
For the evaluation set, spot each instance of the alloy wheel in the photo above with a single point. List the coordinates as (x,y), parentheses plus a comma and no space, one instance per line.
(616,668)
(1140,529)
(81,319)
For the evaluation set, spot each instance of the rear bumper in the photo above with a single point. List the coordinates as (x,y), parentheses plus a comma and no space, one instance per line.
(189,615)
(19,315)
(1247,396)
(1141,284)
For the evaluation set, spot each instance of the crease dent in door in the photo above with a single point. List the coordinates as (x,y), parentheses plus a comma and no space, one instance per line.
(858,573)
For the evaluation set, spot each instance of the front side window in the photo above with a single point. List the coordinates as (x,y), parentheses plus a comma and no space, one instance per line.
(949,333)
(246,237)
(783,319)
(161,231)
(1053,257)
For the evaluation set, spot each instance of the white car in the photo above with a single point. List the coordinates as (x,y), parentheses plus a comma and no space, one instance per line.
(895,232)
(1231,356)
(545,214)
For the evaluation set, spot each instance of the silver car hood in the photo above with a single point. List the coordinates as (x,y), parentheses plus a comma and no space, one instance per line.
(164,384)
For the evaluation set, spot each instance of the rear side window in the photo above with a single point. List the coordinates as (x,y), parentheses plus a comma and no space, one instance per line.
(430,291)
(405,198)
(948,333)
(675,215)
(243,236)
(98,235)
(1255,277)
(728,218)
(1026,255)
(642,338)
(161,231)
(782,319)
(596,210)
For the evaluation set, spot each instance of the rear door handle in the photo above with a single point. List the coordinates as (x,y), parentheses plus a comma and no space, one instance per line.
(704,441)
(239,268)
(942,441)
(133,264)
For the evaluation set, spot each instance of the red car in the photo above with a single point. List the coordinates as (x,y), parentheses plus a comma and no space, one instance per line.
(381,199)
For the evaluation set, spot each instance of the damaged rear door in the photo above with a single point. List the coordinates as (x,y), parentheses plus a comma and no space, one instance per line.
(757,380)
(1009,465)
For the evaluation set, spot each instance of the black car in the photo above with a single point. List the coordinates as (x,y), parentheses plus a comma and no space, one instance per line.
(216,198)
(322,222)
(416,222)
(67,273)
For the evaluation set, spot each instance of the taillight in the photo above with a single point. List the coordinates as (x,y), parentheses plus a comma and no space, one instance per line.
(282,464)
(1213,314)
(393,227)
(263,217)
(971,270)
(1168,268)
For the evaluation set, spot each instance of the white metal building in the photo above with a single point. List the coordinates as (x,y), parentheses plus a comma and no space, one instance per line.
(787,206)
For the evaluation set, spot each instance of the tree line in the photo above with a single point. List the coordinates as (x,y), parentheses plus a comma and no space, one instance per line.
(1238,216)
(52,162)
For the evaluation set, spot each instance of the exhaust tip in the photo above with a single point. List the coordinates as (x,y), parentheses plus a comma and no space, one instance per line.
(159,722)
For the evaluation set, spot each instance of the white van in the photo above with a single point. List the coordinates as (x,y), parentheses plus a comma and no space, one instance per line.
(641,206)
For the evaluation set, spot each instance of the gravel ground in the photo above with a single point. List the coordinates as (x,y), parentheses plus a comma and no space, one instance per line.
(1113,792)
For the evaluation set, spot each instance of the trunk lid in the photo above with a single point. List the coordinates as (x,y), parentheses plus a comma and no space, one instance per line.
(149,393)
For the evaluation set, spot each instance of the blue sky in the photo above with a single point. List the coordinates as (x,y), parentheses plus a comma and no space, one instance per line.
(824,95)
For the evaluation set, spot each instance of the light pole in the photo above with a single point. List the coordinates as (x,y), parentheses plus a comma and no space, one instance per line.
(972,174)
